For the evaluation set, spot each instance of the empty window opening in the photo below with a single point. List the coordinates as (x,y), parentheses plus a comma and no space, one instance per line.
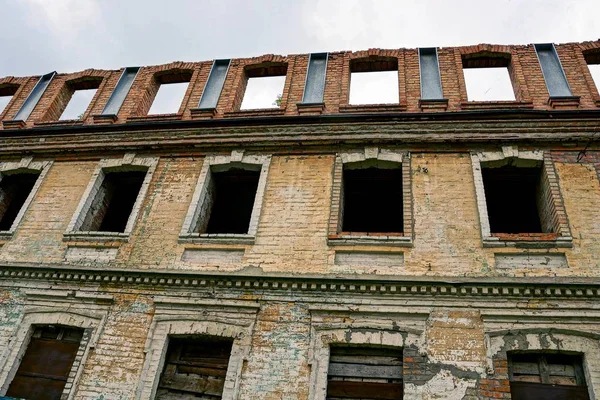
(45,367)
(592,57)
(372,199)
(263,92)
(365,373)
(594,70)
(374,81)
(14,190)
(231,196)
(4,100)
(487,77)
(7,92)
(195,368)
(114,201)
(489,84)
(514,196)
(78,104)
(542,376)
(169,98)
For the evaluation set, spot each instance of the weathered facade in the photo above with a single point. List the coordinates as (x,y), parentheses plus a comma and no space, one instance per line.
(437,248)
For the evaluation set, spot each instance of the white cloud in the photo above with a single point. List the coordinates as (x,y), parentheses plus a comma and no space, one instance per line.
(65,19)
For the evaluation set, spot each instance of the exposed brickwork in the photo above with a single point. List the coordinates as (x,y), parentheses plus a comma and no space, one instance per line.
(294,285)
(525,72)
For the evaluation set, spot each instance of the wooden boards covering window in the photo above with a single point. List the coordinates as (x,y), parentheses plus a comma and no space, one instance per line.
(365,373)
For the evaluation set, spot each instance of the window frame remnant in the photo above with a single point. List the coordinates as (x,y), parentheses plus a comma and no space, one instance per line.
(316,76)
(555,223)
(490,60)
(429,74)
(67,341)
(365,371)
(34,97)
(371,156)
(130,162)
(556,80)
(214,85)
(552,369)
(199,209)
(195,372)
(28,166)
(120,92)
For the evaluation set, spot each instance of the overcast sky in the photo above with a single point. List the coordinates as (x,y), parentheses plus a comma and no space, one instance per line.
(39,36)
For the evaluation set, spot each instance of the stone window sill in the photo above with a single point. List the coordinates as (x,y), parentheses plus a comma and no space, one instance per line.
(14,124)
(65,122)
(259,112)
(6,235)
(203,113)
(95,237)
(367,238)
(310,108)
(489,105)
(216,238)
(368,108)
(564,101)
(104,118)
(155,117)
(528,240)
(433,104)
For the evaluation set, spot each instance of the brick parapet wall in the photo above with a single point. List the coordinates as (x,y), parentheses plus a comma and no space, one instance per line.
(528,82)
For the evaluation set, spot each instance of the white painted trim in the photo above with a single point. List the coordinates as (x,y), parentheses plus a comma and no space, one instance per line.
(534,339)
(199,198)
(477,158)
(129,160)
(17,346)
(232,320)
(323,337)
(26,164)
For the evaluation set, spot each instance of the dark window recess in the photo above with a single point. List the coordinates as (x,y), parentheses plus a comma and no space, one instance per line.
(114,201)
(372,200)
(365,373)
(14,190)
(195,368)
(511,194)
(46,365)
(233,194)
(539,376)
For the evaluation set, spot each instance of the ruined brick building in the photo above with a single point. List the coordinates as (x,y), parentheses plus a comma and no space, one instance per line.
(435,247)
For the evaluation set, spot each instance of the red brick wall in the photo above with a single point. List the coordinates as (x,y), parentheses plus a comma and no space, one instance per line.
(525,72)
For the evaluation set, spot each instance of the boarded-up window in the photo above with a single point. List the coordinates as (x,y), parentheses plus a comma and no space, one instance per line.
(535,376)
(195,368)
(365,373)
(46,365)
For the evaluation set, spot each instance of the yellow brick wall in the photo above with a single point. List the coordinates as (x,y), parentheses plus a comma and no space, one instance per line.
(292,231)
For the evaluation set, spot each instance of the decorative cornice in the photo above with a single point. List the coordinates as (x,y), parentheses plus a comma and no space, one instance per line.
(253,278)
(313,133)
